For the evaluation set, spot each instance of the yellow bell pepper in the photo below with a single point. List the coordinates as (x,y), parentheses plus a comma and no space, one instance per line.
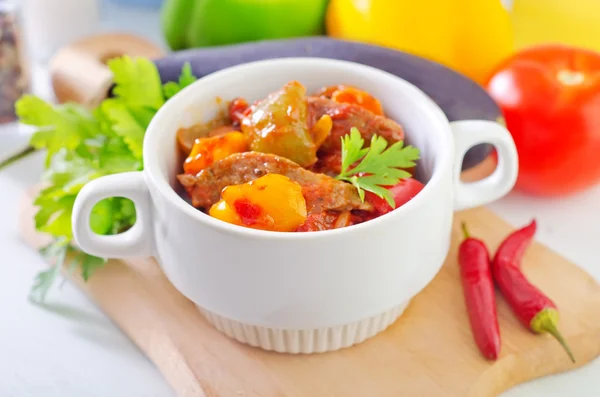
(469,36)
(272,202)
(575,23)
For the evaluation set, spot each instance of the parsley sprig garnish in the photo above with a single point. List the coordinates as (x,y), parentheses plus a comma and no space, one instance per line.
(82,145)
(378,166)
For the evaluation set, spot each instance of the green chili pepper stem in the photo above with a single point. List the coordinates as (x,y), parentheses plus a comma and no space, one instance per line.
(546,321)
(465,230)
(23,153)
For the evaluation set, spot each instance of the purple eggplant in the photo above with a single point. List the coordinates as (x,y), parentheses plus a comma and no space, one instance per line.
(459,97)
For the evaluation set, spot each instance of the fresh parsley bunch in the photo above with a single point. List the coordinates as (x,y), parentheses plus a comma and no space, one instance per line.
(83,145)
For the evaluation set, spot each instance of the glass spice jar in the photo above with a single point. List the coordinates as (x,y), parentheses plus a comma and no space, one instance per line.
(14,81)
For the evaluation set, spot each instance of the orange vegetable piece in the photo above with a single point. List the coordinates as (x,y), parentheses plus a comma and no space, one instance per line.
(208,150)
(358,97)
(272,202)
(320,131)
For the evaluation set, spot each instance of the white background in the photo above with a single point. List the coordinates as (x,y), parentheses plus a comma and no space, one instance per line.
(68,348)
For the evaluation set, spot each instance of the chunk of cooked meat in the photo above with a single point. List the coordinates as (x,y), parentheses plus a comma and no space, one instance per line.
(329,163)
(326,221)
(345,116)
(322,193)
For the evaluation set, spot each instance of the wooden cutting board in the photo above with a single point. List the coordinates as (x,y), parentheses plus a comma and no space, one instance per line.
(428,352)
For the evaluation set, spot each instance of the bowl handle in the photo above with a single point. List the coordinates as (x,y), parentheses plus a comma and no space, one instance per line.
(138,240)
(469,133)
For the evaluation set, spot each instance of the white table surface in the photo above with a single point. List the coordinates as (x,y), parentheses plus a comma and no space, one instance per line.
(69,348)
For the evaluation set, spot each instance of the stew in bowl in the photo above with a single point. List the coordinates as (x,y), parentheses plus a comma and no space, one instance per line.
(299,162)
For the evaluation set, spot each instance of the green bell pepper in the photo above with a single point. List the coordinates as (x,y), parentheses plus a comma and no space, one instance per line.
(201,23)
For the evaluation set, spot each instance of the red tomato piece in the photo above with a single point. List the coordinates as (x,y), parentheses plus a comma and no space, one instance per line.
(248,212)
(550,98)
(237,110)
(403,192)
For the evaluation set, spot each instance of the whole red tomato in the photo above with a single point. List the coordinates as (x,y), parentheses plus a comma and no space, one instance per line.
(550,98)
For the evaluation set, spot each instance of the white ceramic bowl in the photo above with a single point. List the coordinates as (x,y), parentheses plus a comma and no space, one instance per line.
(299,292)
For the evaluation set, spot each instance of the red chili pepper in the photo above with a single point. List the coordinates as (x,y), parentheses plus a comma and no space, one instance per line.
(480,296)
(534,309)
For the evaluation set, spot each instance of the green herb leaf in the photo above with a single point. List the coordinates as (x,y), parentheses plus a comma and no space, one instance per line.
(60,127)
(352,148)
(89,264)
(124,124)
(137,82)
(171,88)
(68,173)
(82,146)
(55,254)
(378,165)
(101,218)
(59,225)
